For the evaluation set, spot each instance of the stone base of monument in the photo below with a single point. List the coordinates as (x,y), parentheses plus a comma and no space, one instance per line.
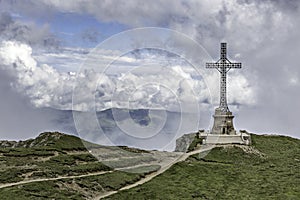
(223,123)
(239,138)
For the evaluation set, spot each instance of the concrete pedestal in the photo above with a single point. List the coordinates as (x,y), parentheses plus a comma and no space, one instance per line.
(223,131)
(223,123)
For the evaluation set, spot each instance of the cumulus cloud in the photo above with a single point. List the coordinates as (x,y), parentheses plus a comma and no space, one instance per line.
(41,83)
(164,88)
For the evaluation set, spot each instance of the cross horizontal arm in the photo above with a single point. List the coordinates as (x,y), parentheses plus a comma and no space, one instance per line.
(226,65)
(235,65)
(213,65)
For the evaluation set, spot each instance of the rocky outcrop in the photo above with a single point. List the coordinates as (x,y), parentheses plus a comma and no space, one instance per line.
(184,142)
(6,143)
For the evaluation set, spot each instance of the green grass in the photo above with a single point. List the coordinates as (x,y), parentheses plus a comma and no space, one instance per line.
(197,141)
(39,190)
(133,150)
(230,173)
(68,165)
(49,155)
(65,142)
(110,181)
(144,169)
(45,164)
(126,162)
(79,188)
(28,152)
(11,175)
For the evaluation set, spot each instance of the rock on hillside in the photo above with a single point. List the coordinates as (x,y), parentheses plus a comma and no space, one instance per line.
(184,142)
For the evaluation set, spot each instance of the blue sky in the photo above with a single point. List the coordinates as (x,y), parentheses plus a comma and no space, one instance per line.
(70,27)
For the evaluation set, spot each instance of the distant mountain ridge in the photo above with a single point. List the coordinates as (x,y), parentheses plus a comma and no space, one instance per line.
(169,125)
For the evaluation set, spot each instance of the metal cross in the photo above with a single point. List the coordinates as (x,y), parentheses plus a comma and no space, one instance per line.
(223,65)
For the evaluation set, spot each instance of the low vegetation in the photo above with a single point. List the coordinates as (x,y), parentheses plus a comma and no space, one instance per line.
(197,141)
(49,155)
(126,162)
(56,155)
(79,188)
(267,170)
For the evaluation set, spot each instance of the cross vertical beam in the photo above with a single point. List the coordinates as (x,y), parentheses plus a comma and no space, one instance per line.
(223,51)
(223,65)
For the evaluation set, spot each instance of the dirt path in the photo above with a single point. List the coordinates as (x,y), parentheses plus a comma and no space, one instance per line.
(51,179)
(154,174)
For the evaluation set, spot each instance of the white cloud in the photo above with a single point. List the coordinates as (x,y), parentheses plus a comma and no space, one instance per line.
(42,83)
(166,88)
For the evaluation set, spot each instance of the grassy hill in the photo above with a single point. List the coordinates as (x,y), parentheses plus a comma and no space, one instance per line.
(269,169)
(58,166)
(50,156)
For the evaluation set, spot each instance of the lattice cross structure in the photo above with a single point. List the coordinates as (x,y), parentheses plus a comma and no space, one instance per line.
(223,65)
